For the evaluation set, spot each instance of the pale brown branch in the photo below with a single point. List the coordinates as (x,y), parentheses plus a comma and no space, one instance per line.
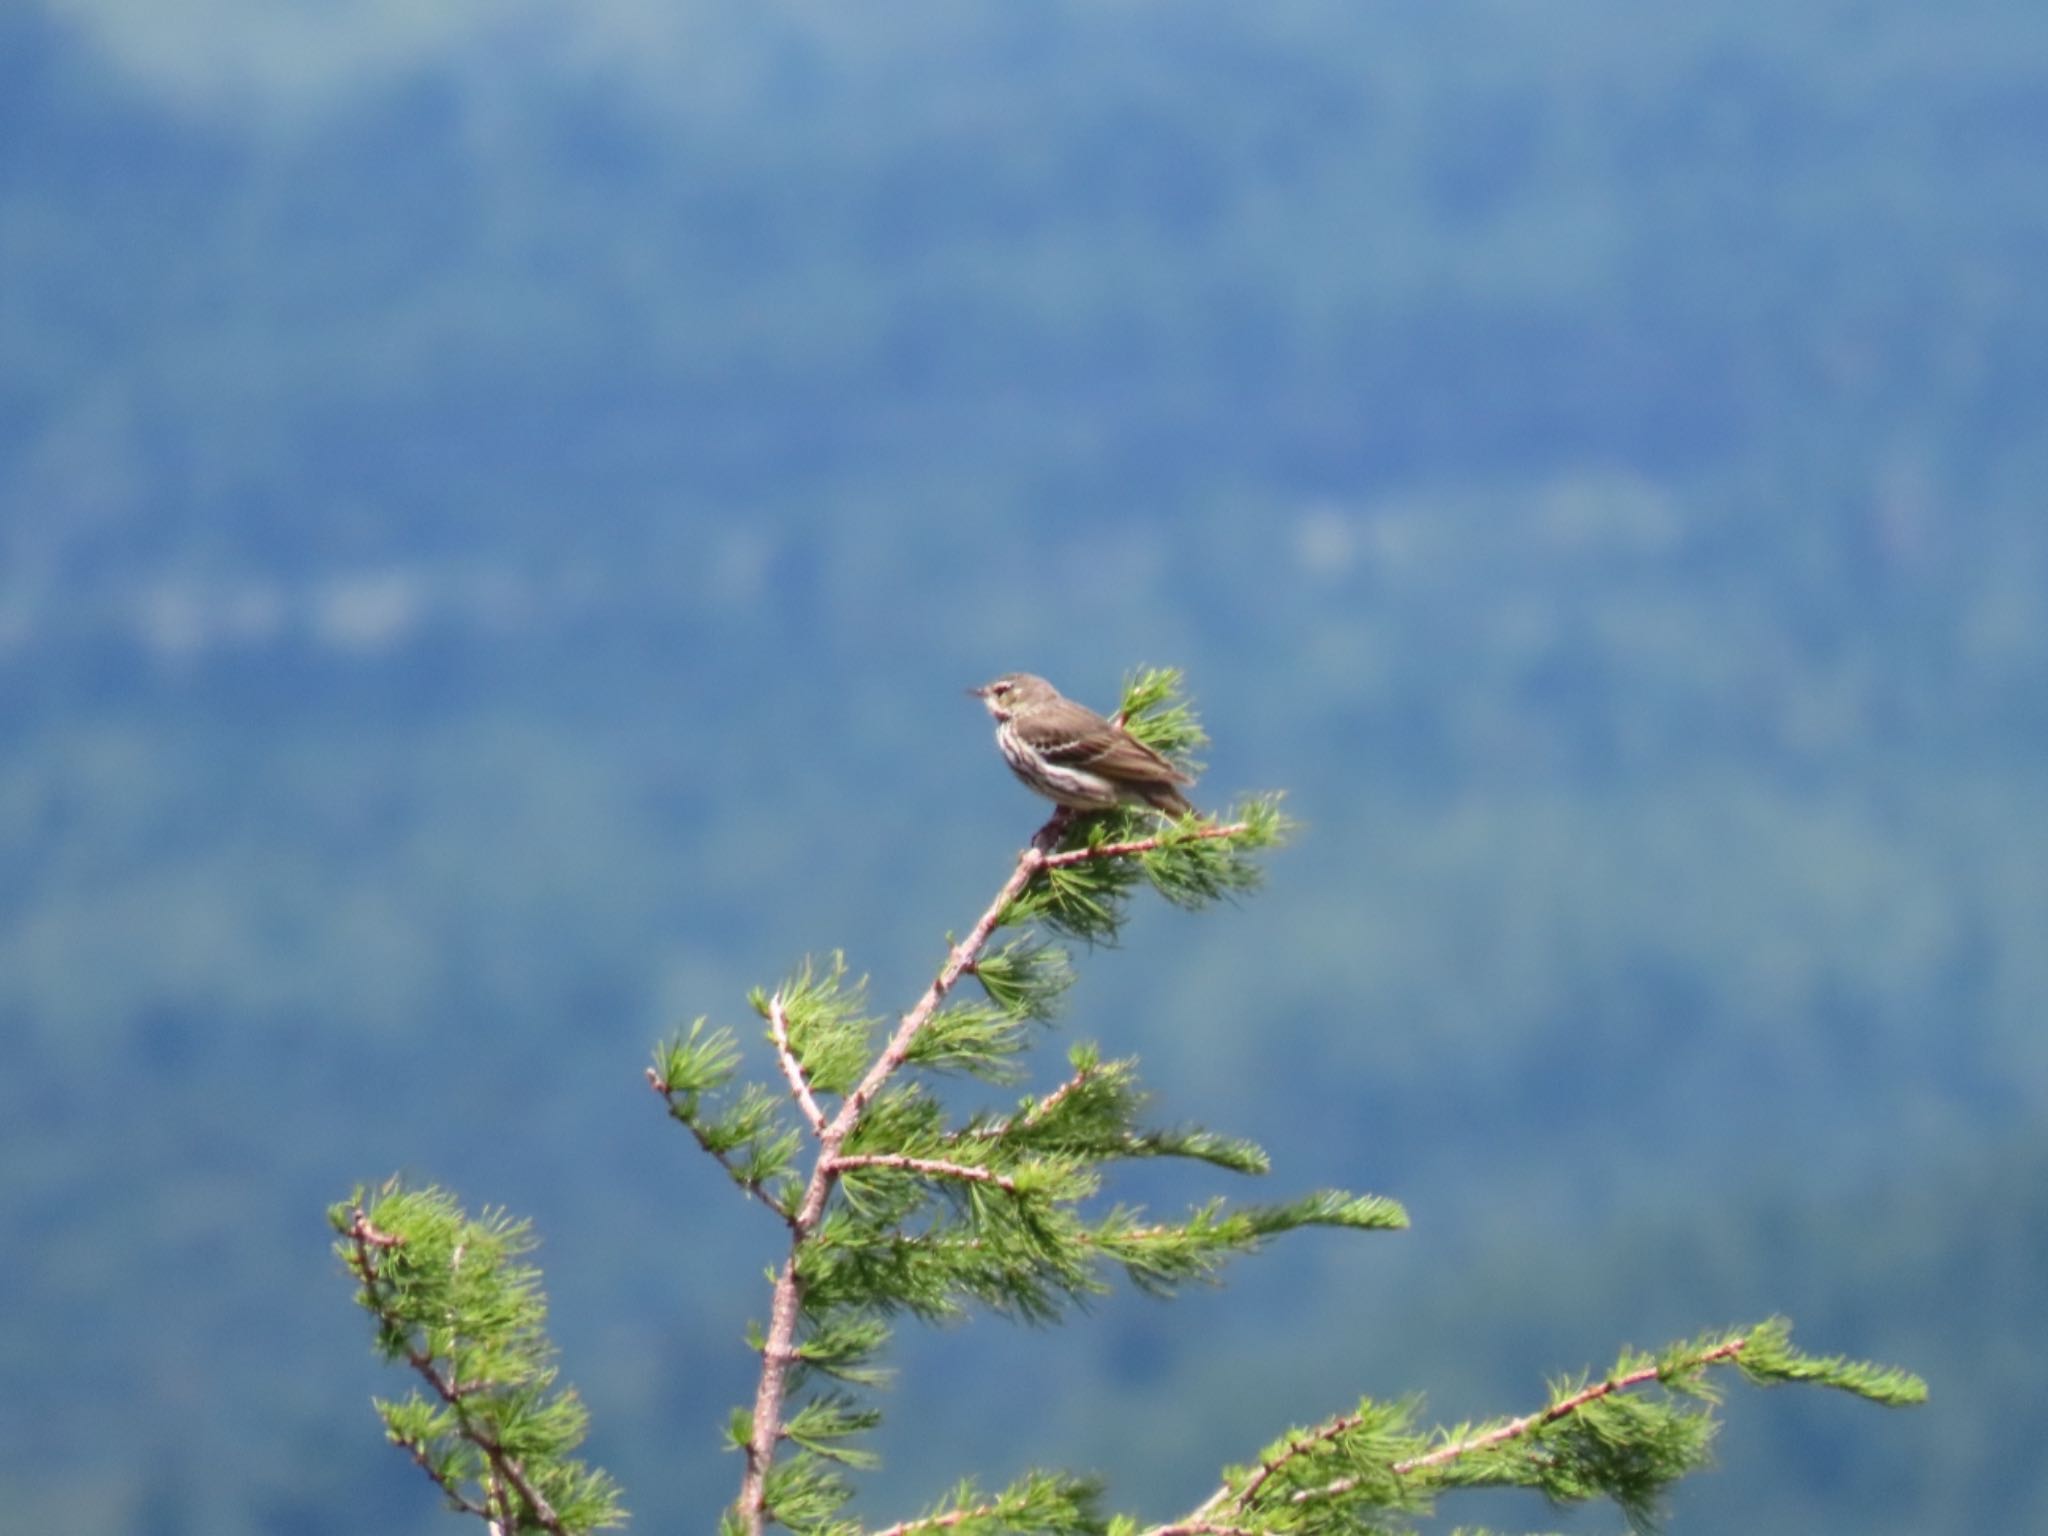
(1045,1106)
(944,1522)
(446,1484)
(1142,844)
(929,1165)
(1564,1407)
(785,1311)
(1036,1113)
(792,1069)
(509,1468)
(955,1517)
(1322,1435)
(367,1236)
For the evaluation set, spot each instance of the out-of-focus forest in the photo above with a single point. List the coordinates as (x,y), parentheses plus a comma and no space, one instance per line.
(498,507)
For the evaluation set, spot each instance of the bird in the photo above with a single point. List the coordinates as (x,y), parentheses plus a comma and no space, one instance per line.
(1073,756)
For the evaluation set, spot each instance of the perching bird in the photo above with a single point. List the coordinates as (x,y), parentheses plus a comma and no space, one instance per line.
(1072,756)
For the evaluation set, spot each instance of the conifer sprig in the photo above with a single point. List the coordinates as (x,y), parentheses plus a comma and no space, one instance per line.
(1605,1438)
(1082,886)
(1037,1504)
(453,1302)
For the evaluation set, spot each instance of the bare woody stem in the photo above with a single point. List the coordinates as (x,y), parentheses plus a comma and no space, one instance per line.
(936,1168)
(998,1129)
(792,1069)
(785,1309)
(943,1522)
(1141,845)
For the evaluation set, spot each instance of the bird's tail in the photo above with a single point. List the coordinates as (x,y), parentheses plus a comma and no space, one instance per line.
(1167,799)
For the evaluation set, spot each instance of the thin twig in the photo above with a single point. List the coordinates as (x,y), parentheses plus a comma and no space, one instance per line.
(367,1236)
(1322,1435)
(1010,1125)
(509,1468)
(930,1165)
(1045,1106)
(1142,844)
(1563,1408)
(944,1522)
(445,1483)
(752,1186)
(799,1081)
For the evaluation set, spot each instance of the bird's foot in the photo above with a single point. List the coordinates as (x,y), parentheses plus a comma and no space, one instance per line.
(1047,838)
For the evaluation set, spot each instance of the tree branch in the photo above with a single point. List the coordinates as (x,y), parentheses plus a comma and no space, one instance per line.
(928,1165)
(1442,1455)
(1141,845)
(1301,1445)
(943,1522)
(1011,1124)
(778,1349)
(446,1484)
(799,1083)
(1564,1407)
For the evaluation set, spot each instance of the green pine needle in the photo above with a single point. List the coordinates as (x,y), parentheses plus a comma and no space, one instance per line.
(1770,1358)
(1025,979)
(828,1034)
(1156,712)
(454,1301)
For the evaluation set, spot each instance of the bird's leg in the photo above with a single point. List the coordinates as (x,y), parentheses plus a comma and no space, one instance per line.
(1047,837)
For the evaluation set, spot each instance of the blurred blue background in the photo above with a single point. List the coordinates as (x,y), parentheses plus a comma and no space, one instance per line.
(498,506)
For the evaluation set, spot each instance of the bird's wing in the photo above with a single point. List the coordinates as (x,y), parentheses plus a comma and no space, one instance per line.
(1074,736)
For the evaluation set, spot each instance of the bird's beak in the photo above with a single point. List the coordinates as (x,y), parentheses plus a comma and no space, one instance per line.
(978,693)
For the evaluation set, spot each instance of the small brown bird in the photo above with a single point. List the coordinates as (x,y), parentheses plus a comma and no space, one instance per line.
(1072,756)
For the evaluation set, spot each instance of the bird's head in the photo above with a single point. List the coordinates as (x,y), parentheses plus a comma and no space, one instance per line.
(1014,691)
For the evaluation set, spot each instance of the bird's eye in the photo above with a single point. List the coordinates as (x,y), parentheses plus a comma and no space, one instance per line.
(1000,689)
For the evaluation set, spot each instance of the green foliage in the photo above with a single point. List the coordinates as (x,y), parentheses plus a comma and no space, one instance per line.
(1614,1438)
(1156,711)
(452,1301)
(1091,1113)
(898,1204)
(1664,397)
(1037,1504)
(831,1037)
(1770,1358)
(1085,886)
(750,1136)
(1025,978)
